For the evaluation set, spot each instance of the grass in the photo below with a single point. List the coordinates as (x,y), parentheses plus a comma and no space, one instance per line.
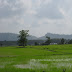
(51,58)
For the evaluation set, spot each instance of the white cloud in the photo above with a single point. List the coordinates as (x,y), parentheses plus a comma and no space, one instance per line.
(38,16)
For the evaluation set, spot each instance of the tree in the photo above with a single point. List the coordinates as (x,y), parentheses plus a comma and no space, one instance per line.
(48,41)
(62,41)
(36,43)
(70,42)
(22,41)
(1,44)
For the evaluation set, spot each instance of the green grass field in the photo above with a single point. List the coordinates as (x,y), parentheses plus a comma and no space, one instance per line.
(51,58)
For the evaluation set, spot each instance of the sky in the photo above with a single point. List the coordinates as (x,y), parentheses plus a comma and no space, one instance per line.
(37,16)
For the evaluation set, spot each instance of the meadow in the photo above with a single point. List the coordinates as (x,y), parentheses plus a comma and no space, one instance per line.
(51,58)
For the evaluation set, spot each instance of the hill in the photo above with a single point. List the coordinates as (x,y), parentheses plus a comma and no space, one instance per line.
(13,37)
(57,36)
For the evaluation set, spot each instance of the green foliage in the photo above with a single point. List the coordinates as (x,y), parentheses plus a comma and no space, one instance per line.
(36,43)
(1,44)
(23,37)
(62,41)
(59,56)
(48,41)
(70,42)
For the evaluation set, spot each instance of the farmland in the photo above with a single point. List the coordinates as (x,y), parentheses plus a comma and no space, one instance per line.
(50,58)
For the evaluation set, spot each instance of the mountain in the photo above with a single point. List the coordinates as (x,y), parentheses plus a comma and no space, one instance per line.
(13,37)
(8,36)
(30,37)
(56,36)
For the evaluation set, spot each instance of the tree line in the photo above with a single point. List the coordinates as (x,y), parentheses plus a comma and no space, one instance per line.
(22,41)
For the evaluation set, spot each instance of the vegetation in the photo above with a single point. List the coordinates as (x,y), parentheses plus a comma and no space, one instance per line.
(48,58)
(62,41)
(23,37)
(48,41)
(1,44)
(70,42)
(36,43)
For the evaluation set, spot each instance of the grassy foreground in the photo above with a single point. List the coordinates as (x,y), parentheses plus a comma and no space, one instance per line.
(52,58)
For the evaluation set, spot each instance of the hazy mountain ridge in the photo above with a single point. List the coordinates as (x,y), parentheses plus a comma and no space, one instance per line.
(14,37)
(56,36)
(8,36)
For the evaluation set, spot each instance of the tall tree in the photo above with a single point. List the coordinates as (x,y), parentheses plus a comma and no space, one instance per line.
(62,41)
(36,43)
(70,41)
(48,41)
(23,37)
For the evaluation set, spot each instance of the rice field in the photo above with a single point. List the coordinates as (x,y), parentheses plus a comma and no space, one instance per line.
(51,58)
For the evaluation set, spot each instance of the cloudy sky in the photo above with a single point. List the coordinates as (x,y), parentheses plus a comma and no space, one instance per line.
(37,16)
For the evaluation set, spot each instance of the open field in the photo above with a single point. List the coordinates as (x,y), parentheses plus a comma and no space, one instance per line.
(52,58)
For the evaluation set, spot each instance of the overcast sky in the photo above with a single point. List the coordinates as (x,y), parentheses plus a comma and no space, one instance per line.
(37,16)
